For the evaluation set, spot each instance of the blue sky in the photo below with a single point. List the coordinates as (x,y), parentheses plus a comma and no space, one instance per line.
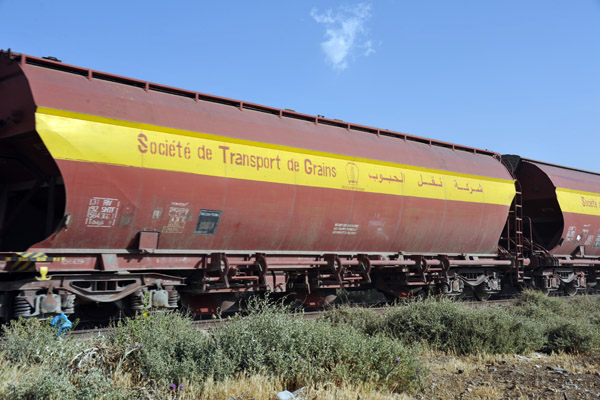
(513,76)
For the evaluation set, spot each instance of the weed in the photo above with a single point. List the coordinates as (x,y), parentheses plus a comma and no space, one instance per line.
(35,341)
(271,340)
(535,323)
(571,326)
(364,319)
(162,346)
(450,326)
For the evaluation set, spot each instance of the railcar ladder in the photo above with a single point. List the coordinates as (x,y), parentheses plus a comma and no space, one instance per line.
(516,233)
(514,224)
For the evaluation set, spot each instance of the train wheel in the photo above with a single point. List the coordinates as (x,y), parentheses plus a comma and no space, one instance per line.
(570,289)
(389,297)
(210,304)
(317,299)
(444,289)
(542,285)
(481,292)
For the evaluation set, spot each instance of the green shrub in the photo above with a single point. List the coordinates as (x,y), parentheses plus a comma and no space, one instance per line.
(162,346)
(55,367)
(270,340)
(64,384)
(370,296)
(569,325)
(536,323)
(34,341)
(447,325)
(586,308)
(363,319)
(535,305)
(46,386)
(346,345)
(571,337)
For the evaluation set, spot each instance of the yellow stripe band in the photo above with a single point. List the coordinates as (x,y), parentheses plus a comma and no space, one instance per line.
(578,202)
(82,137)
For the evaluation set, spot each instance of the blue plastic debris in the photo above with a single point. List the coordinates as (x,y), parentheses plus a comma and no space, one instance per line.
(62,323)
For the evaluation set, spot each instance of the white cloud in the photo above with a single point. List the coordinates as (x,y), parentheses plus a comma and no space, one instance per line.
(342,31)
(368,46)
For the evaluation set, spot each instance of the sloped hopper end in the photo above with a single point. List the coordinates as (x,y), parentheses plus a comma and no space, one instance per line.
(32,194)
(541,205)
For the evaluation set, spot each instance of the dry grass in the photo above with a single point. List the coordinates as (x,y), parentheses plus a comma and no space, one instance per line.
(532,375)
(10,373)
(447,377)
(261,387)
(576,363)
(243,387)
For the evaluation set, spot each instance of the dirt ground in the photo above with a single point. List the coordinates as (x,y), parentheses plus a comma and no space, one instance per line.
(536,376)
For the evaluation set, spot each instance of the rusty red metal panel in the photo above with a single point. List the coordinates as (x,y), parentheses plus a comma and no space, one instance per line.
(17,101)
(66,91)
(263,216)
(107,205)
(564,203)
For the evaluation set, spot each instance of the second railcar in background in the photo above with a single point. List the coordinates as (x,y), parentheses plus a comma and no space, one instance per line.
(561,224)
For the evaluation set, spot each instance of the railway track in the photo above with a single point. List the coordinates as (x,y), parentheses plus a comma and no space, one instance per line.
(210,324)
(215,323)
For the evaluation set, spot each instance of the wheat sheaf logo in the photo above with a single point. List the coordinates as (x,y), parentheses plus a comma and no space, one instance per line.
(352,173)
